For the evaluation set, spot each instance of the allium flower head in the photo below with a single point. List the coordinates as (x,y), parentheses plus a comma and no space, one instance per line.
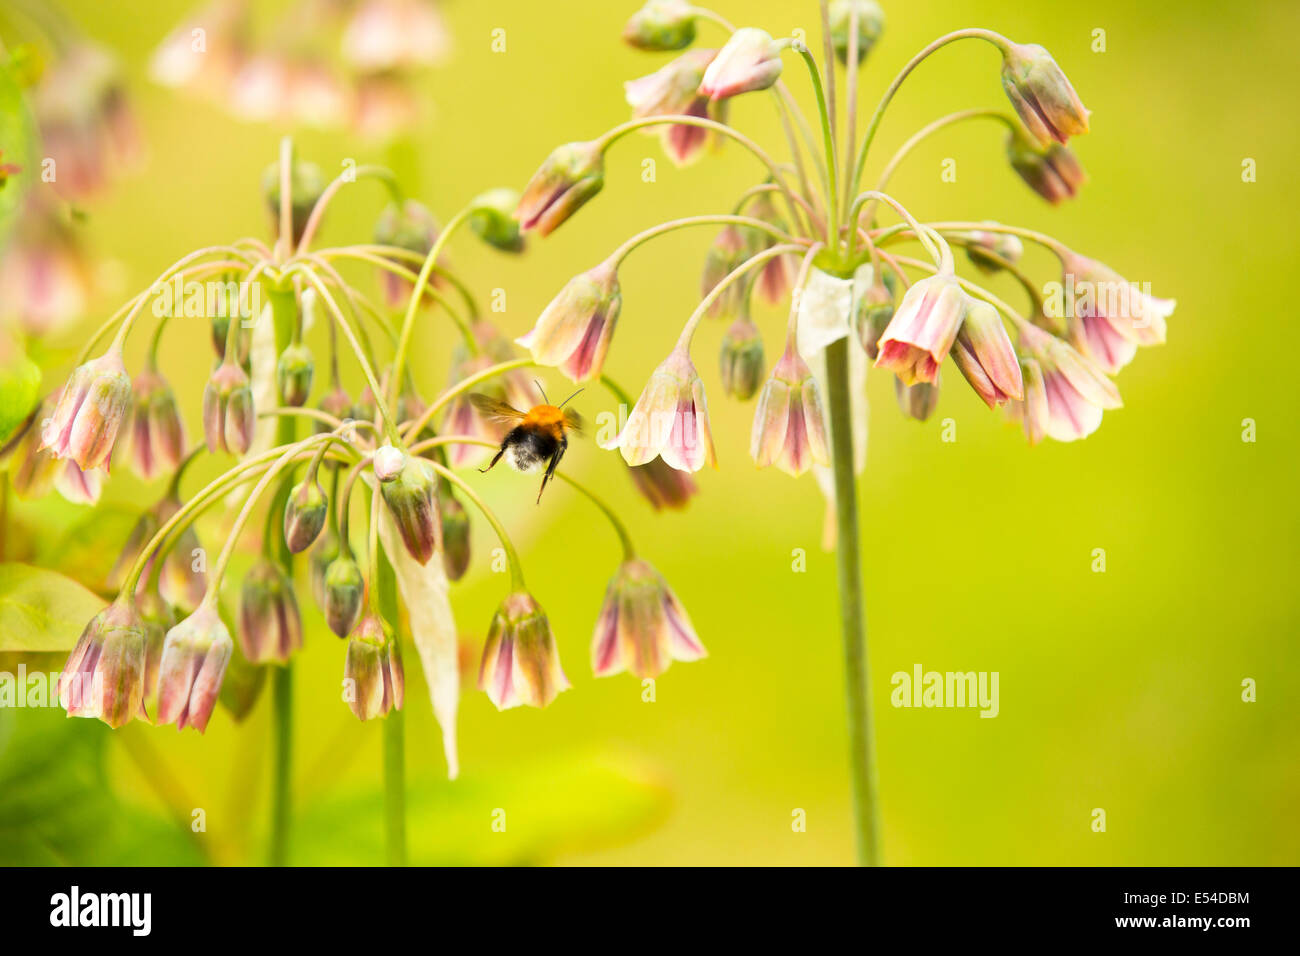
(918,337)
(157,431)
(789,423)
(670,419)
(871,24)
(663,485)
(270,627)
(1053,172)
(1111,316)
(985,356)
(750,60)
(642,626)
(673,90)
(373,669)
(520,662)
(194,659)
(1041,94)
(661,25)
(1075,390)
(104,674)
(89,413)
(574,330)
(228,418)
(570,176)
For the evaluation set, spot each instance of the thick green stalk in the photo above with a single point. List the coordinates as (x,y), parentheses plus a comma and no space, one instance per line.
(857,684)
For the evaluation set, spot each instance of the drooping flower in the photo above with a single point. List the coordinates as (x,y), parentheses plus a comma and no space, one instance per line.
(661,25)
(1076,391)
(642,626)
(270,627)
(104,674)
(455,534)
(871,24)
(520,662)
(306,183)
(89,413)
(78,486)
(373,670)
(984,354)
(873,307)
(663,485)
(1032,413)
(569,177)
(206,65)
(305,512)
(195,655)
(45,276)
(986,243)
(294,371)
(789,424)
(729,249)
(157,431)
(393,35)
(917,401)
(492,219)
(410,500)
(1041,94)
(670,419)
(344,588)
(918,337)
(1110,316)
(574,330)
(228,418)
(776,275)
(1054,172)
(749,61)
(741,359)
(673,90)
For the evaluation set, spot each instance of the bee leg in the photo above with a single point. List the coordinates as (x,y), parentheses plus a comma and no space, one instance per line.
(495,458)
(550,469)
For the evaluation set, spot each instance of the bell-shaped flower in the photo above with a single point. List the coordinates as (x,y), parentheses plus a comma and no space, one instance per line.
(104,674)
(574,331)
(521,664)
(373,672)
(662,485)
(1054,172)
(89,413)
(1109,316)
(228,418)
(750,60)
(570,176)
(984,354)
(920,334)
(670,420)
(673,90)
(157,431)
(195,655)
(270,627)
(789,423)
(1076,391)
(642,626)
(1041,94)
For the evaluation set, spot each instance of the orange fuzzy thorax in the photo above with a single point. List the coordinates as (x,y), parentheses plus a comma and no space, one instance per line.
(546,417)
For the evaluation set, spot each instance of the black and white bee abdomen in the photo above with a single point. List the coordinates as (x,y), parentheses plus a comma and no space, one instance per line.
(528,450)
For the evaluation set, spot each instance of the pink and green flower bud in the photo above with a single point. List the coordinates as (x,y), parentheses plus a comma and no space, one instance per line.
(985,356)
(455,535)
(492,217)
(157,432)
(750,60)
(663,485)
(673,90)
(157,618)
(776,275)
(985,244)
(917,401)
(410,500)
(872,311)
(219,327)
(742,359)
(270,628)
(920,334)
(89,413)
(521,664)
(410,226)
(789,424)
(574,330)
(304,515)
(1041,94)
(373,672)
(322,556)
(194,660)
(228,418)
(1077,392)
(871,24)
(344,589)
(293,375)
(104,674)
(389,462)
(731,247)
(1054,173)
(306,183)
(569,177)
(661,25)
(670,420)
(642,626)
(1111,316)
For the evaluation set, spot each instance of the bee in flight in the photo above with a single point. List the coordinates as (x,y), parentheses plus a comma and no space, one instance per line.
(538,438)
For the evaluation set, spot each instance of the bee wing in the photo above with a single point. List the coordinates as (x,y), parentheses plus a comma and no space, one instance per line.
(494,410)
(573,421)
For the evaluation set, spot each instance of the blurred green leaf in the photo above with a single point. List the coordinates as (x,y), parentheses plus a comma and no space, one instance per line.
(547,808)
(41,610)
(17,144)
(89,549)
(56,806)
(20,385)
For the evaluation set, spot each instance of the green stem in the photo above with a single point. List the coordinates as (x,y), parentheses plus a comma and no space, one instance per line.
(394,734)
(828,144)
(623,251)
(857,684)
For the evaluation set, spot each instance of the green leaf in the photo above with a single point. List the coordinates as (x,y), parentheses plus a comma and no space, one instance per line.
(551,807)
(41,610)
(17,145)
(89,549)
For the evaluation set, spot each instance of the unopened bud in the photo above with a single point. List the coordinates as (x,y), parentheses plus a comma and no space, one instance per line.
(344,589)
(270,628)
(306,183)
(742,359)
(304,515)
(293,375)
(661,25)
(871,24)
(492,219)
(409,498)
(455,535)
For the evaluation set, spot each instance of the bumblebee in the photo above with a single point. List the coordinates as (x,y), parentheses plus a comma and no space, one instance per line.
(539,437)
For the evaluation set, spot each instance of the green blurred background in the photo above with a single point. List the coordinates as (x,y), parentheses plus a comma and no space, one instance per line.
(1119,691)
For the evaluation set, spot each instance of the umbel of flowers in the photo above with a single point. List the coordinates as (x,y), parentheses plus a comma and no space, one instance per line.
(164,649)
(858,296)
